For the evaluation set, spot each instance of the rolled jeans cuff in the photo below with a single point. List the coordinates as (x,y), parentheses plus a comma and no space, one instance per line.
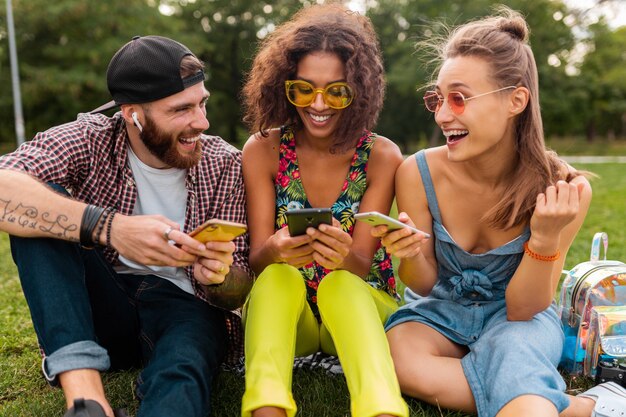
(80,355)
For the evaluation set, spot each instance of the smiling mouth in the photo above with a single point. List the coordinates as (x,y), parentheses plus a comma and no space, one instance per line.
(455,135)
(319,118)
(189,141)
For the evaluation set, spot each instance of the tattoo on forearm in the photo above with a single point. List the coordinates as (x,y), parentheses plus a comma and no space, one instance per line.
(28,217)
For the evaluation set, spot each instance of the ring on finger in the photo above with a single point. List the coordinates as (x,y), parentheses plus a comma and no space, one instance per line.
(221,270)
(166,233)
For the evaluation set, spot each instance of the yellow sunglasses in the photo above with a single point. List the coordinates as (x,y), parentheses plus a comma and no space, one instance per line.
(301,93)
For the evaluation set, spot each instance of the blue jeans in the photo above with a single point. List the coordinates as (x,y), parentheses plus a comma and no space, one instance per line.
(88,316)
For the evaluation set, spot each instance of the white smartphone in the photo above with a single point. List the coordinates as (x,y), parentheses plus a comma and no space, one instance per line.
(375,218)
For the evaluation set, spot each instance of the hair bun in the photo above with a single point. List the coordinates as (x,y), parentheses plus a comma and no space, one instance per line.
(514,25)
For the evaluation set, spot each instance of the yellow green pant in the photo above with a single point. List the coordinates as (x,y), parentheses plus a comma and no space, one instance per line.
(279,325)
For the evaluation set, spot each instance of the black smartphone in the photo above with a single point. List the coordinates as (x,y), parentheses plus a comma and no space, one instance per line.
(298,220)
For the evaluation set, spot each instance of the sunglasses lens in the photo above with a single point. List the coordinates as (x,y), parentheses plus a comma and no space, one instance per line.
(300,93)
(456,102)
(338,95)
(431,101)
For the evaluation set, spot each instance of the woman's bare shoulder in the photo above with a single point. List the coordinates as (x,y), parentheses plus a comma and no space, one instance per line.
(386,151)
(385,144)
(258,143)
(436,157)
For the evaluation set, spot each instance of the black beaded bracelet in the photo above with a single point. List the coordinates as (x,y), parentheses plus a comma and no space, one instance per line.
(91,215)
(101,223)
(109,223)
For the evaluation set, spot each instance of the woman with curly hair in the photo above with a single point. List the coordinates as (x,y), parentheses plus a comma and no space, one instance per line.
(483,334)
(315,89)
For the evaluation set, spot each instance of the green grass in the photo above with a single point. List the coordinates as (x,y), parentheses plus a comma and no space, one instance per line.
(23,392)
(606,214)
(579,146)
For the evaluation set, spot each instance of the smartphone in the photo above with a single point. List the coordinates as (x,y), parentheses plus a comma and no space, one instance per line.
(298,220)
(218,230)
(375,218)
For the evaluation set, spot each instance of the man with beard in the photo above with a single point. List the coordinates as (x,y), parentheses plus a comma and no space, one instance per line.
(98,211)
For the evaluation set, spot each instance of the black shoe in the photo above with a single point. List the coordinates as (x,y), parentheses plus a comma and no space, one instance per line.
(90,408)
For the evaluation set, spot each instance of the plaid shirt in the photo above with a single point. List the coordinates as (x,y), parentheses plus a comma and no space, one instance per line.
(89,157)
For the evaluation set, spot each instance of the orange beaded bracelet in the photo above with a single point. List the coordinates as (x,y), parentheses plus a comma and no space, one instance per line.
(539,257)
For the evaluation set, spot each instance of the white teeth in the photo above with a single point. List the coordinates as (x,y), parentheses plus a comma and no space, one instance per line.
(190,140)
(319,118)
(448,133)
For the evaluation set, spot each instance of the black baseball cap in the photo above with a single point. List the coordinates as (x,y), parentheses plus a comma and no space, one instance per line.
(147,69)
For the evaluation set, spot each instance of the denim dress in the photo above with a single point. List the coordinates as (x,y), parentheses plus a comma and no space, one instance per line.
(506,359)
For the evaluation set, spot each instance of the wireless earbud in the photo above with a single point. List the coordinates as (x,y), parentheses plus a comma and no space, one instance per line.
(134,117)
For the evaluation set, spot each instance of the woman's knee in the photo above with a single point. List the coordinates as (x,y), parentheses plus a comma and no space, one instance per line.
(412,356)
(279,279)
(341,292)
(414,376)
(338,284)
(399,347)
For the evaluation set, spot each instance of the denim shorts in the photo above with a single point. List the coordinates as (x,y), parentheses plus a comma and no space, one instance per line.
(506,359)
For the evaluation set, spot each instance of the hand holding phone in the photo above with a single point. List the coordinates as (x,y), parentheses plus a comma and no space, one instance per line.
(218,230)
(375,218)
(300,219)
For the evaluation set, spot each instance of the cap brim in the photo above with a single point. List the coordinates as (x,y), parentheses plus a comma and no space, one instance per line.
(108,106)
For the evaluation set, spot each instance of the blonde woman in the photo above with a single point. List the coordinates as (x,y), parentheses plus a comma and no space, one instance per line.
(482,333)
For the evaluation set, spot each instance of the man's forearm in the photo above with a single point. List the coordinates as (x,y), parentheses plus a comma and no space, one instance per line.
(30,209)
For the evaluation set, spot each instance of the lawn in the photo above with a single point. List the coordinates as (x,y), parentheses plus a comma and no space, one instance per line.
(23,391)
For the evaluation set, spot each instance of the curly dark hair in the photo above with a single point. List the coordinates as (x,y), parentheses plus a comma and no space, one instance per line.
(321,28)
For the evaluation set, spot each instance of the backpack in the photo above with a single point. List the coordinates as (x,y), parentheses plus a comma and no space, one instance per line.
(597,282)
(605,357)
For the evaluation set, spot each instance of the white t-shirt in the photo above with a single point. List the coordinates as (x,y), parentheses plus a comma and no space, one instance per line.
(159,191)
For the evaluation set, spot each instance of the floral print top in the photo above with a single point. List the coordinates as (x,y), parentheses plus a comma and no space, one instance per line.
(290,194)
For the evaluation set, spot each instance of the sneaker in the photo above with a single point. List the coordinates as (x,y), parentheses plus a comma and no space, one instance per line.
(610,399)
(90,408)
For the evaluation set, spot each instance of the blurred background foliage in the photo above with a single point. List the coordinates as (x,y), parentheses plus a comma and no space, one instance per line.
(64,48)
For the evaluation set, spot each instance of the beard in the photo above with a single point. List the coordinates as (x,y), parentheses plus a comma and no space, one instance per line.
(163,145)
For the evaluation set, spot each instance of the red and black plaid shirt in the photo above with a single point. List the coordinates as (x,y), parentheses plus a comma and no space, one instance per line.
(89,157)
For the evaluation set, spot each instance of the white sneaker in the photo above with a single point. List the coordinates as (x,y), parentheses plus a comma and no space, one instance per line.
(610,399)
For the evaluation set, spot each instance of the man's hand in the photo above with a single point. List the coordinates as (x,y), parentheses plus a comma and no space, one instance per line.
(214,262)
(143,239)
